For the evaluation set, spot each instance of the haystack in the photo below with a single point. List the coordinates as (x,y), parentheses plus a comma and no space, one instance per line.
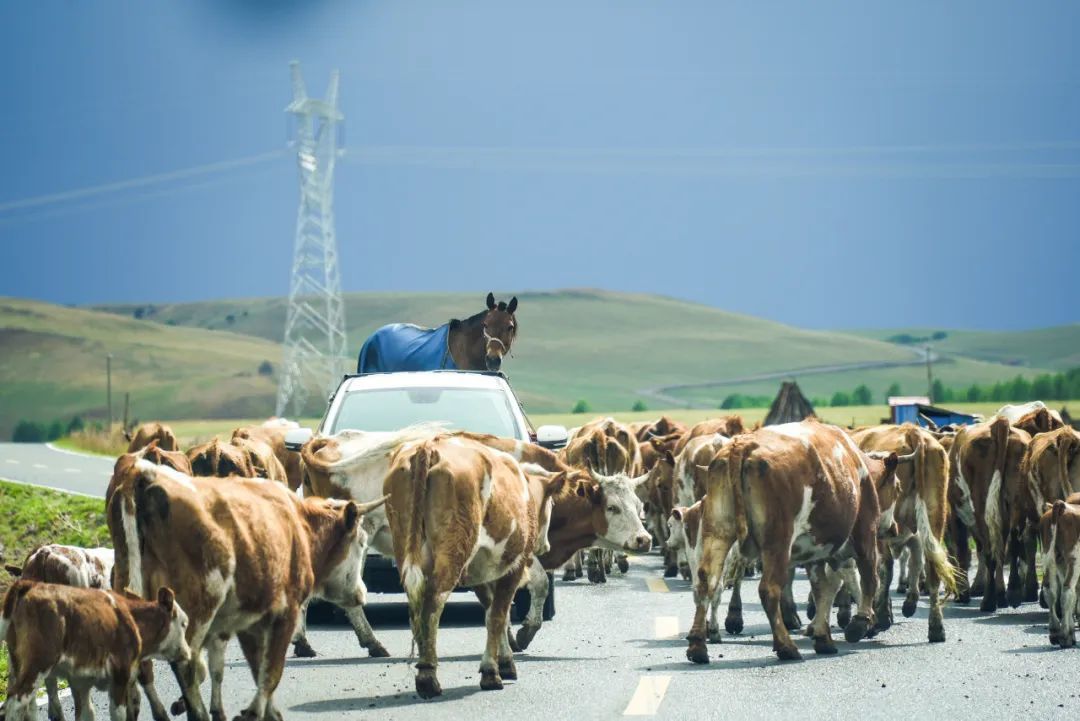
(790,406)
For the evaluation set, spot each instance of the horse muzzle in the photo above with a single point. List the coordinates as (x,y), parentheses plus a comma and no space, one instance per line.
(493,363)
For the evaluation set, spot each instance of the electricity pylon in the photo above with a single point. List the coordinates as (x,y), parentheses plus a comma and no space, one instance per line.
(315,321)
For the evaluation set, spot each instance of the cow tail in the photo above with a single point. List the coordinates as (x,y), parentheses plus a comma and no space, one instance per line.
(932,547)
(995,499)
(739,450)
(1066,443)
(11,600)
(412,574)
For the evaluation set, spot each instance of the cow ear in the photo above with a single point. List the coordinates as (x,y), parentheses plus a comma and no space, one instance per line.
(491,301)
(512,305)
(668,458)
(595,494)
(13,570)
(351,516)
(166,597)
(556,484)
(1047,507)
(676,513)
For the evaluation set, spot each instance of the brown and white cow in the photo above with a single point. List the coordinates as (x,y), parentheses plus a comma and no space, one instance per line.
(148,432)
(1051,465)
(798,493)
(913,518)
(724,425)
(264,462)
(1059,530)
(985,462)
(521,451)
(244,557)
(90,637)
(663,426)
(623,435)
(272,433)
(462,514)
(160,457)
(220,459)
(1033,417)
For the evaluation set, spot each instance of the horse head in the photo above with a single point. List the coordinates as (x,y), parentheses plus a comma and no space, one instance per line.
(500,329)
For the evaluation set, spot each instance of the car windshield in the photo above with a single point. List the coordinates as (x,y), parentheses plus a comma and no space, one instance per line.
(481,410)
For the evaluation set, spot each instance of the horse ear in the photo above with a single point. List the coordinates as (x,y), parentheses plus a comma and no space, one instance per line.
(512,305)
(491,301)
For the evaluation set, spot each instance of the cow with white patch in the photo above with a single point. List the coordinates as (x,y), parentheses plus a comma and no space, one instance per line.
(728,426)
(148,432)
(244,557)
(913,518)
(521,451)
(793,494)
(1029,413)
(985,461)
(1052,465)
(1059,530)
(89,637)
(462,514)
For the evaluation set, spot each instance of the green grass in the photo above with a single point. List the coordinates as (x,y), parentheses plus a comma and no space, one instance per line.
(34,516)
(1055,348)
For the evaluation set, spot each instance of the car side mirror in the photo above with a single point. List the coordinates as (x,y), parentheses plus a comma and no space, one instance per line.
(551,437)
(295,438)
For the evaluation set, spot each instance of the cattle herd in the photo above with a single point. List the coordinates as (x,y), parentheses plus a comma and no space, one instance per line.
(235,538)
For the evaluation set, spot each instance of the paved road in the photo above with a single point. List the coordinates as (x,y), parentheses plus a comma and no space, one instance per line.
(619,647)
(43,465)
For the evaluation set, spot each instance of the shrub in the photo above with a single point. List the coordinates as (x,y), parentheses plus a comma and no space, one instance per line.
(75,425)
(840,399)
(939,335)
(29,432)
(266,368)
(893,390)
(862,396)
(639,406)
(581,406)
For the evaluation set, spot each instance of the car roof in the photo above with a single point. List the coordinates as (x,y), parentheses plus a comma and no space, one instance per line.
(425,379)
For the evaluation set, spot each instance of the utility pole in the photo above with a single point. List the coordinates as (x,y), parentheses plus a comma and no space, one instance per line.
(108,390)
(929,375)
(315,343)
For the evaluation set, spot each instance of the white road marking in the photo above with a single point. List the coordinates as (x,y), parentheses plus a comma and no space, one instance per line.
(646,700)
(79,454)
(12,460)
(41,465)
(656,585)
(666,627)
(72,470)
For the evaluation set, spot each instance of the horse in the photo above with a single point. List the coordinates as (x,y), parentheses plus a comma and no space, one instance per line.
(475,344)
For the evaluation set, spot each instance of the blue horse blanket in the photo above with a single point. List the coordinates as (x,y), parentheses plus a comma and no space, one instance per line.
(406,347)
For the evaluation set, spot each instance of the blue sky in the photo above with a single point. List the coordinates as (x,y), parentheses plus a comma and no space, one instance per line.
(835,164)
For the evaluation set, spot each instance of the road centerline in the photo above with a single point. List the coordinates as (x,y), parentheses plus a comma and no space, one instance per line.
(648,696)
(656,585)
(665,627)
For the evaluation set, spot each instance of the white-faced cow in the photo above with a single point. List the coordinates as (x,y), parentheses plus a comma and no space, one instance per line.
(1059,529)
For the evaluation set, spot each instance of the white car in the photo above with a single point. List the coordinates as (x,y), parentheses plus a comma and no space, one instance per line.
(477,401)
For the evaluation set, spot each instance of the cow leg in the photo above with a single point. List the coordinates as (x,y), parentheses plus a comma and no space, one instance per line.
(146,680)
(579,564)
(215,661)
(119,691)
(671,563)
(55,711)
(1014,594)
(365,634)
(843,604)
(425,612)
(774,576)
(787,604)
(1031,580)
(936,632)
(1067,636)
(22,691)
(538,593)
(902,584)
(301,647)
(709,583)
(609,559)
(498,660)
(883,615)
(596,566)
(733,623)
(187,678)
(80,697)
(989,602)
(867,583)
(1052,594)
(824,584)
(915,561)
(811,605)
(624,563)
(265,646)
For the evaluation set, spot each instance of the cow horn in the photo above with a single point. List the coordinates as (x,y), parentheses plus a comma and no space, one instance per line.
(599,477)
(370,505)
(907,458)
(635,482)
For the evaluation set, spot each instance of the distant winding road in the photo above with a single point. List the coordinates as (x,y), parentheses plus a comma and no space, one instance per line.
(38,464)
(662,393)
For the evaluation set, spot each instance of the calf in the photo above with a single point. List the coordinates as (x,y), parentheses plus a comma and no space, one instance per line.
(91,637)
(1059,530)
(913,518)
(68,566)
(148,432)
(793,494)
(461,514)
(220,459)
(244,557)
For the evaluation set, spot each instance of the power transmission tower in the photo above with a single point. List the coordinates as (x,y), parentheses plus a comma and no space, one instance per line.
(315,322)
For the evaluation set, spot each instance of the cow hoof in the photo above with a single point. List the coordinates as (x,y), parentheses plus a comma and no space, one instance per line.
(1032,596)
(684,571)
(507,670)
(697,652)
(245,715)
(856,629)
(512,642)
(843,617)
(178,707)
(883,622)
(1002,599)
(713,634)
(733,625)
(1042,600)
(303,649)
(988,603)
(596,576)
(1067,640)
(490,681)
(937,634)
(427,685)
(910,604)
(964,598)
(624,564)
(569,575)
(1014,597)
(525,636)
(811,608)
(824,646)
(217,714)
(671,571)
(901,589)
(377,650)
(792,622)
(788,653)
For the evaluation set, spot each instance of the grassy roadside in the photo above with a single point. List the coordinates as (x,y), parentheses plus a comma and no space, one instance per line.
(34,516)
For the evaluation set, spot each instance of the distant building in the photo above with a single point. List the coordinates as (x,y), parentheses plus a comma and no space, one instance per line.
(917,410)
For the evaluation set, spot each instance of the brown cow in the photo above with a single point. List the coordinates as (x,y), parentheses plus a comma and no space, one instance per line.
(522,451)
(462,514)
(797,493)
(725,425)
(1051,465)
(661,427)
(1040,420)
(244,557)
(220,459)
(1059,530)
(264,463)
(89,637)
(918,510)
(623,435)
(272,433)
(985,462)
(159,457)
(148,432)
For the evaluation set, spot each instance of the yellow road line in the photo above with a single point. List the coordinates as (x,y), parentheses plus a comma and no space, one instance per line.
(656,585)
(666,627)
(646,699)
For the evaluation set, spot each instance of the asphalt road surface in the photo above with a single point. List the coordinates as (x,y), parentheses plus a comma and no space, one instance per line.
(618,649)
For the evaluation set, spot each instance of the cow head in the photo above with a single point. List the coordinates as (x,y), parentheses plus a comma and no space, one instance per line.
(500,329)
(220,459)
(615,501)
(339,575)
(174,647)
(676,540)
